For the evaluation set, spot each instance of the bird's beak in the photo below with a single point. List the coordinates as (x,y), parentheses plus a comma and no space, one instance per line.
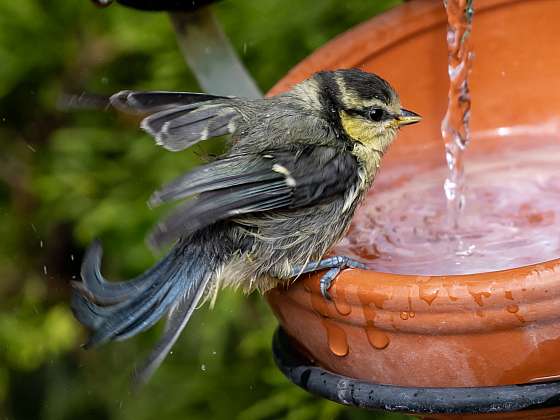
(407,117)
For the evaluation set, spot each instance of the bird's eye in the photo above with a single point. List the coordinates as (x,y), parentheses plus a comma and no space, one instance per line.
(376,114)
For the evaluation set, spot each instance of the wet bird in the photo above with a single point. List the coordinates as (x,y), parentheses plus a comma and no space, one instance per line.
(267,211)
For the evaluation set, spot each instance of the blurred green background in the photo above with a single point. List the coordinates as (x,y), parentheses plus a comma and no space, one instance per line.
(67,177)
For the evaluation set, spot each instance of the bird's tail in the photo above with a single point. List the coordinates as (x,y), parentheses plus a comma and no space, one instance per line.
(119,310)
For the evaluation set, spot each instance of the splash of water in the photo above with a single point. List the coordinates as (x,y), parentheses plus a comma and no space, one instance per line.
(455,125)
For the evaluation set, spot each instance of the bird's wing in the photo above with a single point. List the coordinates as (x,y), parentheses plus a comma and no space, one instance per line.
(148,102)
(274,180)
(180,119)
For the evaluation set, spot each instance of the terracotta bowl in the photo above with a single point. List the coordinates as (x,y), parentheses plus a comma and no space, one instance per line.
(484,329)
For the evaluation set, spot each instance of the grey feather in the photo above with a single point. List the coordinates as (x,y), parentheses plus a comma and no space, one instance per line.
(144,102)
(104,292)
(218,205)
(178,318)
(223,173)
(140,307)
(178,128)
(277,180)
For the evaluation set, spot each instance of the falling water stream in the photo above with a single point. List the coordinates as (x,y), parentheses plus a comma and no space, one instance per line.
(455,125)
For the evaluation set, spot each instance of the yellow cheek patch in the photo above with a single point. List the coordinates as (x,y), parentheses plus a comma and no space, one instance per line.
(357,128)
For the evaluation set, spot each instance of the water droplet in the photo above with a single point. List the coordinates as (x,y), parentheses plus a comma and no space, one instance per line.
(465,252)
(411,314)
(203,367)
(512,309)
(336,338)
(369,296)
(404,315)
(318,302)
(450,294)
(102,3)
(378,339)
(477,296)
(428,294)
(340,303)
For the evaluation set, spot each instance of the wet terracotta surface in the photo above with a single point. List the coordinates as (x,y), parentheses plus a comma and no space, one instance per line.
(471,330)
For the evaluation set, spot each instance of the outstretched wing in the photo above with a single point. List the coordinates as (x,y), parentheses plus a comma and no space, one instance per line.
(274,180)
(154,101)
(180,119)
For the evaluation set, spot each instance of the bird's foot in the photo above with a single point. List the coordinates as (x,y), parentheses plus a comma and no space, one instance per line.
(334,265)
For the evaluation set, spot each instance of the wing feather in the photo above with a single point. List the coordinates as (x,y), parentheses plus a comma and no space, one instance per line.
(147,102)
(214,206)
(181,119)
(282,179)
(224,173)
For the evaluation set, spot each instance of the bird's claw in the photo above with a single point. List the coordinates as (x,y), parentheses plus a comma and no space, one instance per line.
(338,263)
(326,281)
(334,265)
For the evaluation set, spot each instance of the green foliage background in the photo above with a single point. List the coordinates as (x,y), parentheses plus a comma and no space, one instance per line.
(67,177)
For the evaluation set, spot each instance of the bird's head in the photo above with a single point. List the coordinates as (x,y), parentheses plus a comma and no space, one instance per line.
(365,107)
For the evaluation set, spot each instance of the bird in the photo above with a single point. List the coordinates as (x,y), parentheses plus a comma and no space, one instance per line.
(267,211)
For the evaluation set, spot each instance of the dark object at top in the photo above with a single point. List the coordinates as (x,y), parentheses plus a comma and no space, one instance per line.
(362,394)
(159,5)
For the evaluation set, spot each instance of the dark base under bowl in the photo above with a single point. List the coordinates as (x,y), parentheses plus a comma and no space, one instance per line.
(428,401)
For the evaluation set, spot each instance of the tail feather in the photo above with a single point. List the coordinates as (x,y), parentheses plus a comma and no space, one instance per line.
(87,312)
(117,311)
(103,292)
(180,290)
(178,319)
(127,317)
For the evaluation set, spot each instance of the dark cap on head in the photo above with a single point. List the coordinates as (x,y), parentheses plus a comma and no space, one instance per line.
(340,87)
(366,85)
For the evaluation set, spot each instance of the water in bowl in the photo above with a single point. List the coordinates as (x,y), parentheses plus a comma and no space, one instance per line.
(512,216)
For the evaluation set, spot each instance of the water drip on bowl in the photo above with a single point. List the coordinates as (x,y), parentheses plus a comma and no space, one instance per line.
(336,338)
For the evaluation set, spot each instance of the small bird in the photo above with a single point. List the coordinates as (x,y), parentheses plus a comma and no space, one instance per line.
(267,211)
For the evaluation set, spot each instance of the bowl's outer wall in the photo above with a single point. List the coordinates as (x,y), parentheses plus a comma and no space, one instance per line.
(476,330)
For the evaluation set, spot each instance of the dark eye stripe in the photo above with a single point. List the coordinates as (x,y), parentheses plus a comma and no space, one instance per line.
(367,113)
